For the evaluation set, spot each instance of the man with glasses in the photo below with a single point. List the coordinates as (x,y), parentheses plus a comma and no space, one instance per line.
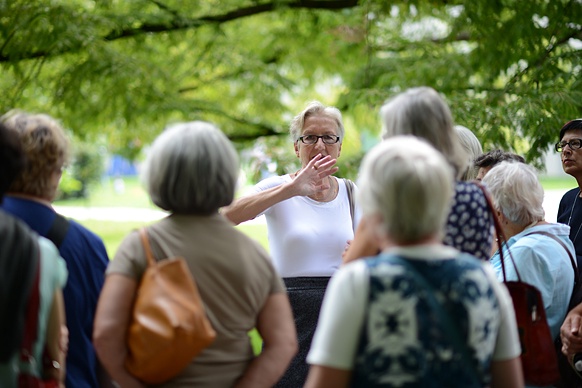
(310,217)
(570,209)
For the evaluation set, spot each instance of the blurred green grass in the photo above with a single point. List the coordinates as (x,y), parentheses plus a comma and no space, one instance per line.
(558,183)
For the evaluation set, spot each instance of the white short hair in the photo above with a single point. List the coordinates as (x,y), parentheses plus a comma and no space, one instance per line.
(316,108)
(410,185)
(191,168)
(516,191)
(424,113)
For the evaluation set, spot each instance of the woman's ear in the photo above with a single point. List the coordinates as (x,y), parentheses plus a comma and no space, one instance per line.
(296,147)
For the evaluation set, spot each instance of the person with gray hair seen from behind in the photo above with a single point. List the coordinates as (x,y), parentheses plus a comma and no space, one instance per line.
(541,261)
(422,112)
(488,160)
(191,171)
(474,149)
(310,218)
(419,314)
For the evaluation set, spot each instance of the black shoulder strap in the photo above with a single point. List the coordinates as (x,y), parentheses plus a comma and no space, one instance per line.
(351,199)
(58,230)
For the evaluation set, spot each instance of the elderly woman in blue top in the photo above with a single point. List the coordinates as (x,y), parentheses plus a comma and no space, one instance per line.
(540,260)
(384,319)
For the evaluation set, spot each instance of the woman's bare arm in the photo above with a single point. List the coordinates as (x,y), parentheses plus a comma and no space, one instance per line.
(57,336)
(507,374)
(276,327)
(364,243)
(308,181)
(323,376)
(111,322)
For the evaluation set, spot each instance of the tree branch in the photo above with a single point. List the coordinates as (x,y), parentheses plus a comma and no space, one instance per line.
(181,23)
(545,55)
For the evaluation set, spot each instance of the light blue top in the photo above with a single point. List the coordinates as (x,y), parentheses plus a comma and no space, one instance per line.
(545,264)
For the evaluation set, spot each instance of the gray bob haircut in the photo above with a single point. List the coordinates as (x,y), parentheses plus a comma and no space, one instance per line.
(316,108)
(516,192)
(410,185)
(191,168)
(423,113)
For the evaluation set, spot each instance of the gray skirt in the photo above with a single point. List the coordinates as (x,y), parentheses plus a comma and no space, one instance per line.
(305,295)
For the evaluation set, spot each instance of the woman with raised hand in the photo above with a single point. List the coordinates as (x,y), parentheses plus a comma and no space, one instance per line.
(310,218)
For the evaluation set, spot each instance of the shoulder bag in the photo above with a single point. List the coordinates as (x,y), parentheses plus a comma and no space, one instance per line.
(538,358)
(350,188)
(169,326)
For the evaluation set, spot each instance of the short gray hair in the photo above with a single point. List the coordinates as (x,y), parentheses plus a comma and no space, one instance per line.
(410,185)
(422,112)
(191,168)
(516,192)
(316,108)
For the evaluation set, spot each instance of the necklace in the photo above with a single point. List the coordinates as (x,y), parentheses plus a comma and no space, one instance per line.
(571,212)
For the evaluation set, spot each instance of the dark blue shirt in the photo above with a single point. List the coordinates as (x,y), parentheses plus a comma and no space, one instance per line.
(570,213)
(86,260)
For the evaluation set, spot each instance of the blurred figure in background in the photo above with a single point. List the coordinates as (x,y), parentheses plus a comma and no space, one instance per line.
(191,171)
(570,213)
(420,314)
(23,256)
(422,112)
(570,208)
(488,160)
(29,198)
(473,147)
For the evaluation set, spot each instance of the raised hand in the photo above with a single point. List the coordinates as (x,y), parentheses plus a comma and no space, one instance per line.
(311,180)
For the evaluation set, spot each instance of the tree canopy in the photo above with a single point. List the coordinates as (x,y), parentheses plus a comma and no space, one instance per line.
(122,70)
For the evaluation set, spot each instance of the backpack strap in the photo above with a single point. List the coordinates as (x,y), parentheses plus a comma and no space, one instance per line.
(58,230)
(350,187)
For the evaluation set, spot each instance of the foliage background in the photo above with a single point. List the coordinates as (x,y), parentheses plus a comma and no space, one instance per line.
(117,72)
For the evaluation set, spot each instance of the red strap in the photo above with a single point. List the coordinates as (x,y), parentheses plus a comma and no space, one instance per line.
(31,318)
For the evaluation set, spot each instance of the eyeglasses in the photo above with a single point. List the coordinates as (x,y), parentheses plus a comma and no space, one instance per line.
(312,139)
(575,144)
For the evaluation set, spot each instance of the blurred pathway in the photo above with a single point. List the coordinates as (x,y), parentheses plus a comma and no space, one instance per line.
(120,214)
(126,214)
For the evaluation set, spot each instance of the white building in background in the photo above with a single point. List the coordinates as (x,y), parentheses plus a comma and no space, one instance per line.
(553,165)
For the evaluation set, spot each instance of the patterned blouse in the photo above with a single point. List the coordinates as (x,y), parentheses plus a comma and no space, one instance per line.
(469,225)
(403,342)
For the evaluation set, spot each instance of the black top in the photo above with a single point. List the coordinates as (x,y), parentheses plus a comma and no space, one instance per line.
(573,218)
